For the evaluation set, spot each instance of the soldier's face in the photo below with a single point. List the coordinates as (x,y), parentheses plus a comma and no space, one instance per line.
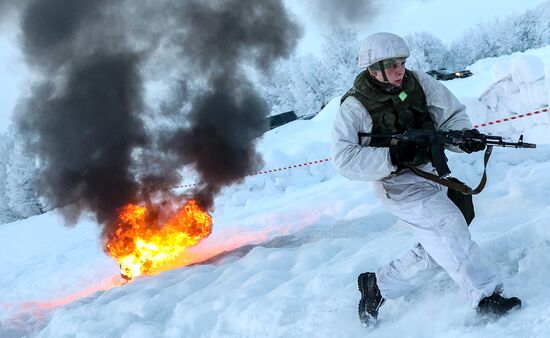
(395,71)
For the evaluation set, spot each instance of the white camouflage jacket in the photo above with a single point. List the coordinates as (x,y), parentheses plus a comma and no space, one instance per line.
(360,162)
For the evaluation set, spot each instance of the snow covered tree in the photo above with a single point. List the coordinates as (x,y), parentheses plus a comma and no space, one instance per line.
(277,88)
(483,41)
(531,30)
(305,83)
(515,33)
(21,181)
(6,146)
(339,61)
(297,85)
(427,52)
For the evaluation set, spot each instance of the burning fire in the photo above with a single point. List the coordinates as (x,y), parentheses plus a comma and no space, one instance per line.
(143,245)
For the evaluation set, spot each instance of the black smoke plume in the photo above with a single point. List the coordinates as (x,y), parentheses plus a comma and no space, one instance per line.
(337,15)
(7,7)
(85,135)
(227,115)
(53,27)
(85,120)
(344,12)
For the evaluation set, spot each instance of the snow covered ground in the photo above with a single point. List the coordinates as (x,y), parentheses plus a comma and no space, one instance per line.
(287,248)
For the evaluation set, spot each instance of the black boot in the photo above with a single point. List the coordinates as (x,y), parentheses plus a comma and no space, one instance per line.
(371,299)
(496,305)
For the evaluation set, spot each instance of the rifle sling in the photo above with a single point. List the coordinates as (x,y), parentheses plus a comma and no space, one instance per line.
(458,186)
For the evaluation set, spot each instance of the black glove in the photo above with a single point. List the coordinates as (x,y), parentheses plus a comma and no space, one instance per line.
(409,152)
(471,145)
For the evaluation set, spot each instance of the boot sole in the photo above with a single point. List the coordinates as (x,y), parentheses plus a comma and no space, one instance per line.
(497,315)
(364,316)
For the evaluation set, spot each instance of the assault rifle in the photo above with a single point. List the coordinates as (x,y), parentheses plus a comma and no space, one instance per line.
(436,141)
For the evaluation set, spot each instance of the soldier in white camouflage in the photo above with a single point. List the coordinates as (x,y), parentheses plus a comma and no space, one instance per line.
(387,98)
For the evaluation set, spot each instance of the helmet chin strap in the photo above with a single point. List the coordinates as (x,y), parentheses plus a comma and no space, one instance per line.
(381,66)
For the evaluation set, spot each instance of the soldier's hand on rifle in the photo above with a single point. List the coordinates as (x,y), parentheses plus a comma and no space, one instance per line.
(408,152)
(471,146)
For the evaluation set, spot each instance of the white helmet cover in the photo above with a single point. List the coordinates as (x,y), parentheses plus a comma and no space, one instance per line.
(381,46)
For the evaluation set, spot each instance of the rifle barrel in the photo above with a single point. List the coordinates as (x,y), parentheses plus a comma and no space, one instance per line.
(511,144)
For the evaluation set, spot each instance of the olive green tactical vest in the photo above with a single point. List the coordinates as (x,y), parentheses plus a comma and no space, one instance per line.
(392,113)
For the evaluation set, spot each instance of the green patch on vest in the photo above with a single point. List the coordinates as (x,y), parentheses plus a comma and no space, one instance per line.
(392,112)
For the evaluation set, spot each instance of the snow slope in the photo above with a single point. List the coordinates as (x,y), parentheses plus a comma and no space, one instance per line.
(287,249)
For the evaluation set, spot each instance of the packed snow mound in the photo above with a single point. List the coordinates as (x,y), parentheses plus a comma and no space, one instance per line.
(520,84)
(527,69)
(500,70)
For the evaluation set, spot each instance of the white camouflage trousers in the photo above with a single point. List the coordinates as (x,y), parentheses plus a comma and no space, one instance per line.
(443,237)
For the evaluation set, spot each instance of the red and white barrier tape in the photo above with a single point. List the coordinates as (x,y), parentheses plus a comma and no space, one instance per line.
(187,186)
(511,118)
(263,172)
(486,124)
(290,167)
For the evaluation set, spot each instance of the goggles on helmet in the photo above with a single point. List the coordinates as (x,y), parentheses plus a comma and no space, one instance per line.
(388,63)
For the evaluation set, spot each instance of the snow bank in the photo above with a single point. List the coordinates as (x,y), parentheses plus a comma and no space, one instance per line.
(303,285)
(527,69)
(520,85)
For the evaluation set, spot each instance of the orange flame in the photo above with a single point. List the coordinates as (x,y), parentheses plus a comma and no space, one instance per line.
(143,246)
